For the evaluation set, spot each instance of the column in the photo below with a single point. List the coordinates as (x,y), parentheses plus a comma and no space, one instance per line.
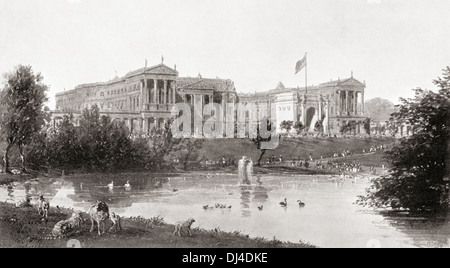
(141,99)
(362,103)
(224,109)
(155,91)
(147,94)
(198,116)
(356,102)
(338,103)
(155,122)
(320,108)
(174,92)
(165,92)
(346,103)
(327,116)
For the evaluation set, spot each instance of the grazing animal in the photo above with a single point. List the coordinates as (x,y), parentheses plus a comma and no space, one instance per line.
(99,213)
(43,207)
(116,220)
(261,208)
(301,204)
(185,225)
(68,227)
(284,204)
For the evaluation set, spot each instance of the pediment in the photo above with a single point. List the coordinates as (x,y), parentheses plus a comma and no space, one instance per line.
(352,82)
(161,69)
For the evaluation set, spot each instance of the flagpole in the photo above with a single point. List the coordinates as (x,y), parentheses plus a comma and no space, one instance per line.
(306,72)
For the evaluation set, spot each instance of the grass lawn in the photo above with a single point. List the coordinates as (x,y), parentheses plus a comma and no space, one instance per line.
(23,228)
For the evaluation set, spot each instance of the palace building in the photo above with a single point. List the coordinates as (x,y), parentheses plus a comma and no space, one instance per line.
(334,104)
(143,100)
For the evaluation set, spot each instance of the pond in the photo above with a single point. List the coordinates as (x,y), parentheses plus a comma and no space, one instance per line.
(329,219)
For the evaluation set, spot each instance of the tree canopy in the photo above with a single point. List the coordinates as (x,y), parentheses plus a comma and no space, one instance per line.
(417,181)
(23,99)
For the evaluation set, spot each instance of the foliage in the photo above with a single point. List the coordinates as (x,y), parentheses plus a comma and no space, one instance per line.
(161,143)
(22,99)
(299,127)
(98,143)
(417,180)
(188,151)
(287,125)
(366,125)
(349,127)
(259,139)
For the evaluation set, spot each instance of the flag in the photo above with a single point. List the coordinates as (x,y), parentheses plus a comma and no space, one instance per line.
(300,65)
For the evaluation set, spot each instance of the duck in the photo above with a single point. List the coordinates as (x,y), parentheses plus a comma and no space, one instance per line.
(128,185)
(111,185)
(300,203)
(284,204)
(261,208)
(206,207)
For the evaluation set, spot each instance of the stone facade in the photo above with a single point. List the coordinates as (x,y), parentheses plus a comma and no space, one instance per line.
(144,98)
(334,103)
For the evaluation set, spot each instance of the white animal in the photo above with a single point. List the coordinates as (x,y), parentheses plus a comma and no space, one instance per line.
(185,225)
(43,207)
(99,213)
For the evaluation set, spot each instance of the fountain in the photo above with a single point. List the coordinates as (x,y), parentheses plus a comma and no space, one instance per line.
(245,171)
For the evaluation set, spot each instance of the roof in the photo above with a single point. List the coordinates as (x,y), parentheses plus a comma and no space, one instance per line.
(348,81)
(205,83)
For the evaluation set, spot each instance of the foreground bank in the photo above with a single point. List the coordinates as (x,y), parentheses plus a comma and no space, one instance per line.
(22,227)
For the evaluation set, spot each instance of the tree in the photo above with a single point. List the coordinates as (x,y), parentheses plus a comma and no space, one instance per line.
(318,127)
(417,180)
(162,143)
(299,127)
(287,125)
(189,149)
(349,127)
(23,98)
(366,125)
(259,139)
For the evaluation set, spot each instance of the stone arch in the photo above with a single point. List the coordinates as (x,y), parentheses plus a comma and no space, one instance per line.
(310,114)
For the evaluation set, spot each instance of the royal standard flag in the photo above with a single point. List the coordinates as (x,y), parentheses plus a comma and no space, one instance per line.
(300,65)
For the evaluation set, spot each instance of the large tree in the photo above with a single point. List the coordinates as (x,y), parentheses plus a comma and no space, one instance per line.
(417,180)
(259,139)
(23,99)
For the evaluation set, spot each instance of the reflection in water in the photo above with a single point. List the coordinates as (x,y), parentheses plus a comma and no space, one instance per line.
(245,201)
(327,207)
(426,230)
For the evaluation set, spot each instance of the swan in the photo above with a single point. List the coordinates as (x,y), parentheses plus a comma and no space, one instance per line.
(301,204)
(128,185)
(284,204)
(261,207)
(111,185)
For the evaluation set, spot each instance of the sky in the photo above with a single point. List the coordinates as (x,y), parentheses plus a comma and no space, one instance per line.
(394,46)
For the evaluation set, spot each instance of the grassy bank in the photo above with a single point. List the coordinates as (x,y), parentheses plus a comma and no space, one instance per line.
(23,228)
(288,148)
